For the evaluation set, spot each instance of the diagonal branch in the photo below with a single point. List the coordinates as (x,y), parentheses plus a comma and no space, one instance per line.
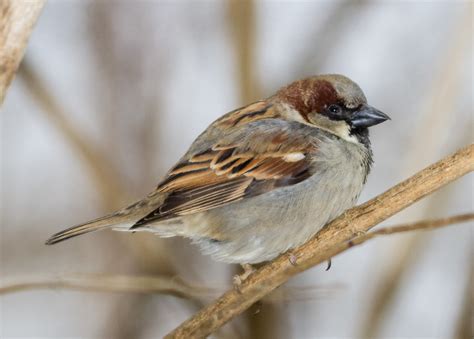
(102,172)
(327,243)
(17,19)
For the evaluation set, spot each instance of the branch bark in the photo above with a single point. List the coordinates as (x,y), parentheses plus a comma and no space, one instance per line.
(17,19)
(327,243)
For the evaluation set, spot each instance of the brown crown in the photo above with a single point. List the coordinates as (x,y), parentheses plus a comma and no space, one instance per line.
(309,95)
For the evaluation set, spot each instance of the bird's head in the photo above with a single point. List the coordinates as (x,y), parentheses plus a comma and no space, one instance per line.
(332,102)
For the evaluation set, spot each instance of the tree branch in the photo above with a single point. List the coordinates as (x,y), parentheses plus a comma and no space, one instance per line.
(17,19)
(327,243)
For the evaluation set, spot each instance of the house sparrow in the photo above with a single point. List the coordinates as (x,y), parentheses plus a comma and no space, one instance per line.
(263,178)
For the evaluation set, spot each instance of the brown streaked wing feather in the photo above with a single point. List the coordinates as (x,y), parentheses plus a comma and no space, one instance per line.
(188,202)
(239,166)
(253,112)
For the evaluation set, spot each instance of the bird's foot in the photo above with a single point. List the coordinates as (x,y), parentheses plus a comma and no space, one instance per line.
(240,278)
(329,265)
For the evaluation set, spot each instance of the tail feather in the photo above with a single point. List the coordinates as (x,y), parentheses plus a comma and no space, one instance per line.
(107,221)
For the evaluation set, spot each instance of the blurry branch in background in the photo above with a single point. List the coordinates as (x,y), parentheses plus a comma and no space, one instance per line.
(465,325)
(101,171)
(330,241)
(149,284)
(241,19)
(330,32)
(428,140)
(17,19)
(110,283)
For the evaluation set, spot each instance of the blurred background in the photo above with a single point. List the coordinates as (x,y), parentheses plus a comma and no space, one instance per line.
(111,93)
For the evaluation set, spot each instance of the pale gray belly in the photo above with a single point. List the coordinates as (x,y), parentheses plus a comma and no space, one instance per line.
(260,228)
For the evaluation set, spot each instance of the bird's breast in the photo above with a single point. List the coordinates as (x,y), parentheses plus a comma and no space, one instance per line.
(259,228)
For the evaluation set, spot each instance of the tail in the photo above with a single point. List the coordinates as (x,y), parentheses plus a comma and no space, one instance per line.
(108,221)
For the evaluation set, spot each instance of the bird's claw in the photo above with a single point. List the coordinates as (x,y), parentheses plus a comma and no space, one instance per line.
(240,278)
(329,265)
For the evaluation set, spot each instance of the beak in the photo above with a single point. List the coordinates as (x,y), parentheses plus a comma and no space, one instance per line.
(368,116)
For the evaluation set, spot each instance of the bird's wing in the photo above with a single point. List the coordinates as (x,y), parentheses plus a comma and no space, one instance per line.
(244,160)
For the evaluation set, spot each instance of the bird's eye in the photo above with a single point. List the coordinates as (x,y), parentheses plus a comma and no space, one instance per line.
(335,109)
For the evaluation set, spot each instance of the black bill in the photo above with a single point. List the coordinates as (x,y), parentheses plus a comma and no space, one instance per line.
(367,116)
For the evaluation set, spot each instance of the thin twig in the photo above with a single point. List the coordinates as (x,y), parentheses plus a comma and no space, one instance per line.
(327,243)
(17,19)
(424,225)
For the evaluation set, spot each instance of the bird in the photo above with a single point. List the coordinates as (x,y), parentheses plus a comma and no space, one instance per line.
(264,178)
